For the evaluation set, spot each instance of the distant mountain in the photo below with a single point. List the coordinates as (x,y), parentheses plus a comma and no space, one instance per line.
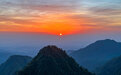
(98,53)
(4,55)
(13,64)
(112,67)
(53,61)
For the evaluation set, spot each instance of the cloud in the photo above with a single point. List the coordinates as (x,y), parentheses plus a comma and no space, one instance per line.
(77,13)
(106,11)
(42,5)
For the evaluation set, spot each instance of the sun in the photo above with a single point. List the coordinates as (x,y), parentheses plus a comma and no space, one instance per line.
(60,34)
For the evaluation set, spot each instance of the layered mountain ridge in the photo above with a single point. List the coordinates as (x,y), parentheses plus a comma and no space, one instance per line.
(98,53)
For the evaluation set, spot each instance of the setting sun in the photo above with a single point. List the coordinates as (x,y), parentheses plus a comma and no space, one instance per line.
(61,34)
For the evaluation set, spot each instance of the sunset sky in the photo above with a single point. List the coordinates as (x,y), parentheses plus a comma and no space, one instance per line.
(60,16)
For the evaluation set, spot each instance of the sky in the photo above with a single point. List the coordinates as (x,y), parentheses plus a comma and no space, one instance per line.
(60,16)
(28,25)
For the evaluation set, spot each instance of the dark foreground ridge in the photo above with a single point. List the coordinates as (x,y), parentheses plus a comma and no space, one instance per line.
(53,61)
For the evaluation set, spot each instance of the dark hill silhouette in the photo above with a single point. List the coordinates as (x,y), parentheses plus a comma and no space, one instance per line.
(96,54)
(112,67)
(53,61)
(13,64)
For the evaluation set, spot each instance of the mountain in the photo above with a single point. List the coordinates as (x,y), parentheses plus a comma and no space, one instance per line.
(112,67)
(53,61)
(4,56)
(98,53)
(13,64)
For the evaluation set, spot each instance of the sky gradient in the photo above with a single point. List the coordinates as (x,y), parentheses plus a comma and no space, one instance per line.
(60,16)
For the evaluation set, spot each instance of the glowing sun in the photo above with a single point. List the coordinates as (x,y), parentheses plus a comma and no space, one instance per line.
(60,34)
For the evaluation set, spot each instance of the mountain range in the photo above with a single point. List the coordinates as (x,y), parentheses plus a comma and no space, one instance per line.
(97,53)
(102,57)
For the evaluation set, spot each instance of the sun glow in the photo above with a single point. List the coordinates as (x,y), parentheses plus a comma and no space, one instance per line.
(54,24)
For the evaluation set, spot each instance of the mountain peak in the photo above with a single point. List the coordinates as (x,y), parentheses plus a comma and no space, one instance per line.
(106,41)
(52,50)
(52,60)
(19,56)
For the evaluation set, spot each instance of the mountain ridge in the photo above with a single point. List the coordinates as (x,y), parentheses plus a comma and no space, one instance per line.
(112,67)
(13,64)
(53,61)
(97,53)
